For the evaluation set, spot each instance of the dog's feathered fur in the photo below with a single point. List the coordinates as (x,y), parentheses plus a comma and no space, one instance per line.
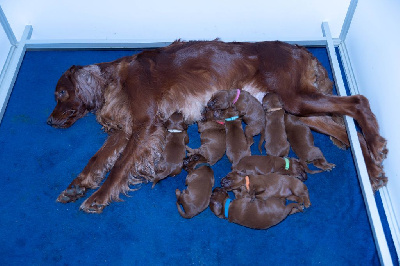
(133,95)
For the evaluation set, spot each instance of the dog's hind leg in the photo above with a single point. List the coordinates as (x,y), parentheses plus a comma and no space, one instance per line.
(95,170)
(356,106)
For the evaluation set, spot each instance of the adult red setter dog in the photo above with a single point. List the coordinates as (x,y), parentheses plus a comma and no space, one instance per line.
(133,95)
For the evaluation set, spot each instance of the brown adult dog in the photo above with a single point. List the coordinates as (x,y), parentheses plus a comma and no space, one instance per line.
(275,137)
(133,95)
(302,142)
(252,213)
(212,137)
(237,146)
(249,109)
(175,148)
(269,185)
(264,164)
(200,181)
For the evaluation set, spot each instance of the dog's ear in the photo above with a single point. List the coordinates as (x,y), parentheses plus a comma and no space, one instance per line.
(74,68)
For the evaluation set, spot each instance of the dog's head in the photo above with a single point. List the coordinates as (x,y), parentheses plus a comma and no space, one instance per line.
(232,180)
(218,197)
(189,163)
(220,100)
(296,169)
(176,122)
(70,107)
(271,102)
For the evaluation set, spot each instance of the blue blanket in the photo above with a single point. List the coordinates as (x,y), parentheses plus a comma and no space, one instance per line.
(37,162)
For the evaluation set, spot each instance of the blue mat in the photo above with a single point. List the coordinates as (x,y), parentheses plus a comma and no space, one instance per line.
(37,162)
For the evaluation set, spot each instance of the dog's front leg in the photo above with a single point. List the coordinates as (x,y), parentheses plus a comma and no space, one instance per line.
(137,160)
(95,170)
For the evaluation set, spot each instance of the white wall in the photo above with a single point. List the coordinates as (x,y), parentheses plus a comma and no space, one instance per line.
(373,46)
(4,48)
(161,20)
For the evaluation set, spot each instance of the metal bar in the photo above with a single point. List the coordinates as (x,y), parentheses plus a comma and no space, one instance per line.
(130,44)
(348,19)
(7,28)
(372,210)
(12,70)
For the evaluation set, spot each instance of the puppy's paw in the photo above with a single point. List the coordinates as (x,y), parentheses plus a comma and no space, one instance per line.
(72,193)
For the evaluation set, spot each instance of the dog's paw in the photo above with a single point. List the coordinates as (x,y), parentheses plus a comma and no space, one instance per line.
(93,205)
(378,150)
(73,193)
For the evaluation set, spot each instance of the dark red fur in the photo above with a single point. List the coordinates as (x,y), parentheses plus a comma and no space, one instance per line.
(275,137)
(213,138)
(261,165)
(237,146)
(249,109)
(199,181)
(268,185)
(175,148)
(253,213)
(133,95)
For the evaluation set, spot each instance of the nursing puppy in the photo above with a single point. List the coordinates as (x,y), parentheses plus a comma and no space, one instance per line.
(199,181)
(248,106)
(175,148)
(264,164)
(252,213)
(276,142)
(302,142)
(212,137)
(236,144)
(267,186)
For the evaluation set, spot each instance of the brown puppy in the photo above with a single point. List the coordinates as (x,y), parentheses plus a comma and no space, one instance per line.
(236,143)
(269,185)
(247,105)
(200,181)
(276,142)
(175,148)
(252,213)
(302,142)
(212,137)
(261,165)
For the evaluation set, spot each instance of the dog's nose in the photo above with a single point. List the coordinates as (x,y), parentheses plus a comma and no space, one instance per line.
(50,121)
(225,183)
(210,104)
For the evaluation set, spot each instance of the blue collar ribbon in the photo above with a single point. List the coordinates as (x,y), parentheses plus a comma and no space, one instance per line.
(232,118)
(201,164)
(227,202)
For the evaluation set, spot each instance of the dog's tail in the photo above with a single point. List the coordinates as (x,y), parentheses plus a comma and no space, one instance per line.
(180,210)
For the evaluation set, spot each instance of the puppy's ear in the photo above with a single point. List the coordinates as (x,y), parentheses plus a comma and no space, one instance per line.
(216,207)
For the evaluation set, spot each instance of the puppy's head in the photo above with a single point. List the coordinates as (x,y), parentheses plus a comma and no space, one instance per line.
(218,197)
(189,163)
(230,112)
(296,169)
(271,101)
(176,121)
(232,180)
(220,100)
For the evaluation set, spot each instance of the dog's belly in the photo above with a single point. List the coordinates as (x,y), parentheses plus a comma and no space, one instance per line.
(192,104)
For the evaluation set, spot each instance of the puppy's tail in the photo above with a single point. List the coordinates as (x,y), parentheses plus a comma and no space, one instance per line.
(180,210)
